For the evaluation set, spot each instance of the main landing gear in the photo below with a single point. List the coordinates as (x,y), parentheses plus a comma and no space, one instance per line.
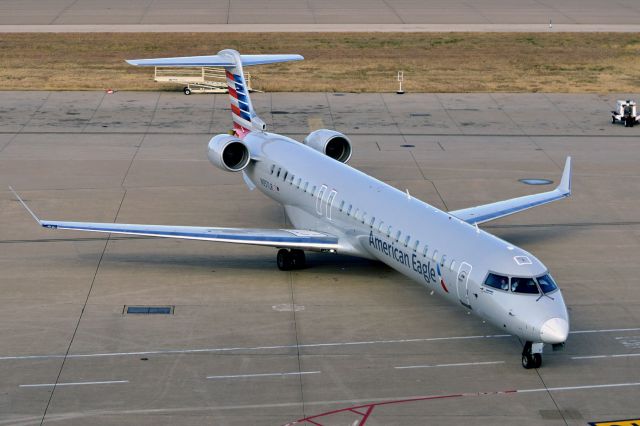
(289,260)
(532,355)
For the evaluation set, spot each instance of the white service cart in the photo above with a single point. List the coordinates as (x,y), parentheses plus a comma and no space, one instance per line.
(626,112)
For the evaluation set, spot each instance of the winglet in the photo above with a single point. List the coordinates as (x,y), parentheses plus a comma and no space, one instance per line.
(565,182)
(25,206)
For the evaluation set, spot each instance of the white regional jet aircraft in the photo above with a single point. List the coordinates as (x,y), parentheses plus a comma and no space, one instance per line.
(338,209)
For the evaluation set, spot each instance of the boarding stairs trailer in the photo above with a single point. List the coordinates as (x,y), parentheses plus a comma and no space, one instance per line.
(196,80)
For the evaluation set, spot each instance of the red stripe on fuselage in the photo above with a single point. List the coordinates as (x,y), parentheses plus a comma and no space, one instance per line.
(443,285)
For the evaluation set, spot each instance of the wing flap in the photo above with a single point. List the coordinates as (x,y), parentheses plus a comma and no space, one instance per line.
(488,212)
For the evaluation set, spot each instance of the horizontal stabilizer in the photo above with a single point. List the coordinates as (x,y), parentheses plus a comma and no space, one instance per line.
(213,61)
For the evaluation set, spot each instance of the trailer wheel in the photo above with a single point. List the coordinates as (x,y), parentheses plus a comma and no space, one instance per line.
(613,120)
(186,91)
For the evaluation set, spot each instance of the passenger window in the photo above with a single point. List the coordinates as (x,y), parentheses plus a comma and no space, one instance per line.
(285,176)
(306,185)
(444,258)
(313,190)
(299,182)
(398,236)
(355,215)
(342,206)
(452,266)
(524,285)
(497,281)
(547,285)
(364,218)
(380,226)
(373,219)
(406,240)
(273,167)
(415,245)
(389,232)
(279,170)
(435,255)
(426,249)
(349,210)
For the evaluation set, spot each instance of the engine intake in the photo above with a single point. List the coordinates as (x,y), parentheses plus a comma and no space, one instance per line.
(228,153)
(331,143)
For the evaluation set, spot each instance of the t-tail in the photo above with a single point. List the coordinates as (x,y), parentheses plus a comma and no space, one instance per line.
(245,119)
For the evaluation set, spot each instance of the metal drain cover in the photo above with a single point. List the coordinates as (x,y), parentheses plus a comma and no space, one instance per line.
(536,181)
(146,310)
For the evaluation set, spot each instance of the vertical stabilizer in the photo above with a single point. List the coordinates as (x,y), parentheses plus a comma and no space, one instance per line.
(244,117)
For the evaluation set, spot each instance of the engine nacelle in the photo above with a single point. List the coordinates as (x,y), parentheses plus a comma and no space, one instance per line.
(228,153)
(331,143)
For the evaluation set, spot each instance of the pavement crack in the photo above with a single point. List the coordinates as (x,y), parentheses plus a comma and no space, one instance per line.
(295,327)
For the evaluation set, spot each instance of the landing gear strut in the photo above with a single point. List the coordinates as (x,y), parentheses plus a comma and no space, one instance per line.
(289,260)
(532,355)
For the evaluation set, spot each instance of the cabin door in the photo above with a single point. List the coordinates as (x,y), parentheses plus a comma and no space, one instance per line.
(463,283)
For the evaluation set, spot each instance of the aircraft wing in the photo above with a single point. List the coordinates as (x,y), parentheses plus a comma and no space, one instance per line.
(488,212)
(282,238)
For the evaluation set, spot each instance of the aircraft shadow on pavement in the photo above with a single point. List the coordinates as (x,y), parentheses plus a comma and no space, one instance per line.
(532,235)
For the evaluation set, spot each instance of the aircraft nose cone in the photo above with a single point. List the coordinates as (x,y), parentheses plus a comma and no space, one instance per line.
(554,330)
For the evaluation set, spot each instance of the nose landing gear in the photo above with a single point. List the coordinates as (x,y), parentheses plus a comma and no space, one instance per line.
(532,355)
(289,260)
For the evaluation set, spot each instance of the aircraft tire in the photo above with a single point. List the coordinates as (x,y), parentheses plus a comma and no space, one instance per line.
(528,361)
(613,120)
(537,360)
(298,258)
(284,259)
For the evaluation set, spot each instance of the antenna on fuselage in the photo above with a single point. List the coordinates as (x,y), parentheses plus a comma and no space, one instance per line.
(408,195)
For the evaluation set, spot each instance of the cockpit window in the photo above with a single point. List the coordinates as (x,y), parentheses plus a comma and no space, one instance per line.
(547,285)
(497,281)
(524,285)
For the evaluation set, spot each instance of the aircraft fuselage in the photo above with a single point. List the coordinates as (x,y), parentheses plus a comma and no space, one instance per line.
(376,221)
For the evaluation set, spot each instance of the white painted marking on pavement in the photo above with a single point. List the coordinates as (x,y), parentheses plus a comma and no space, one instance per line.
(570,388)
(255,348)
(66,417)
(274,347)
(462,364)
(40,385)
(631,342)
(611,330)
(242,376)
(605,356)
(288,307)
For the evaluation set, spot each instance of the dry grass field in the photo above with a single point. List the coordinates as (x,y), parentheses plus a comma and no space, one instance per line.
(341,62)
